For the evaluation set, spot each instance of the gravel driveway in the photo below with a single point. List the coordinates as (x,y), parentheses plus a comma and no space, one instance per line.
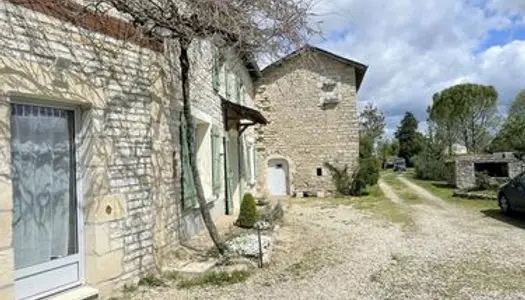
(339,252)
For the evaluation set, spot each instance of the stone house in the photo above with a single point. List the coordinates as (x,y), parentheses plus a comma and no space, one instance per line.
(309,98)
(500,167)
(94,185)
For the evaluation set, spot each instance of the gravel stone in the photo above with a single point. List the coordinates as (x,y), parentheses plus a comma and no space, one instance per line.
(341,252)
(248,245)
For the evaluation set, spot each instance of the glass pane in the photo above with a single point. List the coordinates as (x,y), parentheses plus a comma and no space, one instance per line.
(44,196)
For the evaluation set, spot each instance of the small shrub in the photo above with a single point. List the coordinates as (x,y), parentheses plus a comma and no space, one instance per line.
(248,214)
(354,184)
(151,281)
(341,178)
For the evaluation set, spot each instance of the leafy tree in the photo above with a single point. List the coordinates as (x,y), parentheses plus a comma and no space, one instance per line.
(387,148)
(511,137)
(410,140)
(372,122)
(517,108)
(430,163)
(465,112)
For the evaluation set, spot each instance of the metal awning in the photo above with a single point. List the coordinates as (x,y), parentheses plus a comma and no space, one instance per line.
(239,113)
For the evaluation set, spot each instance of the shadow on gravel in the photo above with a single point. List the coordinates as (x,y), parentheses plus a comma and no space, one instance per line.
(517,219)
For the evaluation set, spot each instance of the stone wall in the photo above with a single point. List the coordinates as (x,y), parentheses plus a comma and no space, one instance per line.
(301,131)
(126,147)
(465,168)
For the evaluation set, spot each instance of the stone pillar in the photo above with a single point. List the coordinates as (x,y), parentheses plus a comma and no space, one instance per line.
(6,205)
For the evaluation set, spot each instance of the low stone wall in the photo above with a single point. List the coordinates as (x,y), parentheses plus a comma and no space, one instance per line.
(475,195)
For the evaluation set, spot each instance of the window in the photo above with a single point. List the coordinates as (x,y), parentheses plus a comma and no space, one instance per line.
(319,172)
(216,159)
(44,184)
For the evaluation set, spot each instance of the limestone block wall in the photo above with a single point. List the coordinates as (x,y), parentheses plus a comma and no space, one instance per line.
(466,170)
(300,130)
(127,144)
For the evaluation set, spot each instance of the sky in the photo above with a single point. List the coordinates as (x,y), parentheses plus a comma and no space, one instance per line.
(415,48)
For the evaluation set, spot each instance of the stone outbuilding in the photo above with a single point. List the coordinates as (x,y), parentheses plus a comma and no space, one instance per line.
(309,99)
(498,166)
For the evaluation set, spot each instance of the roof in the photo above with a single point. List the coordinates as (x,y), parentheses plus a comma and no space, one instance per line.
(239,112)
(360,69)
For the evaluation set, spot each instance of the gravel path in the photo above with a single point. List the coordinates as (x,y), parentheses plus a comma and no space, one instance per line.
(325,251)
(389,192)
(424,193)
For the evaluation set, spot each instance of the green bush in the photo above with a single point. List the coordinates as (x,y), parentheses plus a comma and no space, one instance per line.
(431,168)
(354,184)
(248,214)
(341,178)
(483,181)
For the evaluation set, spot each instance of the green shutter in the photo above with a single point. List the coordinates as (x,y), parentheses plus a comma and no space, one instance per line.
(216,73)
(229,178)
(249,164)
(243,95)
(189,192)
(227,83)
(254,162)
(216,159)
(237,89)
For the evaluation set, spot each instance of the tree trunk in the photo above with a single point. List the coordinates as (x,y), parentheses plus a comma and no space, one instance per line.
(190,131)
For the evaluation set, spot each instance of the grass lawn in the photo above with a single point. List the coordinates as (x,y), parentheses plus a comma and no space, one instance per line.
(446,192)
(378,205)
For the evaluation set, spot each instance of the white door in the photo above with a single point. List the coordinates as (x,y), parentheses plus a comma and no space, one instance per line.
(47,223)
(277,170)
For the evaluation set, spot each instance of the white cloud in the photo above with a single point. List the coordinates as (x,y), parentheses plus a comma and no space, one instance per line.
(416,48)
(507,6)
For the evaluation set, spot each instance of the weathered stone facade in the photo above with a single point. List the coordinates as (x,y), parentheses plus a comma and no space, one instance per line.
(128,102)
(310,102)
(465,167)
(127,138)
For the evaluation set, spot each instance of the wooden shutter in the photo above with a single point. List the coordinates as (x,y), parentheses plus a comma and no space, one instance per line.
(237,89)
(189,192)
(227,84)
(249,155)
(216,73)
(216,159)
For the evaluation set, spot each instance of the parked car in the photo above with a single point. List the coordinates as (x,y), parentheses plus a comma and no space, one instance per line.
(511,196)
(400,165)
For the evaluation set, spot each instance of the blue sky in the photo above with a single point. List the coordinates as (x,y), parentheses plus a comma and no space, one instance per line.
(416,48)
